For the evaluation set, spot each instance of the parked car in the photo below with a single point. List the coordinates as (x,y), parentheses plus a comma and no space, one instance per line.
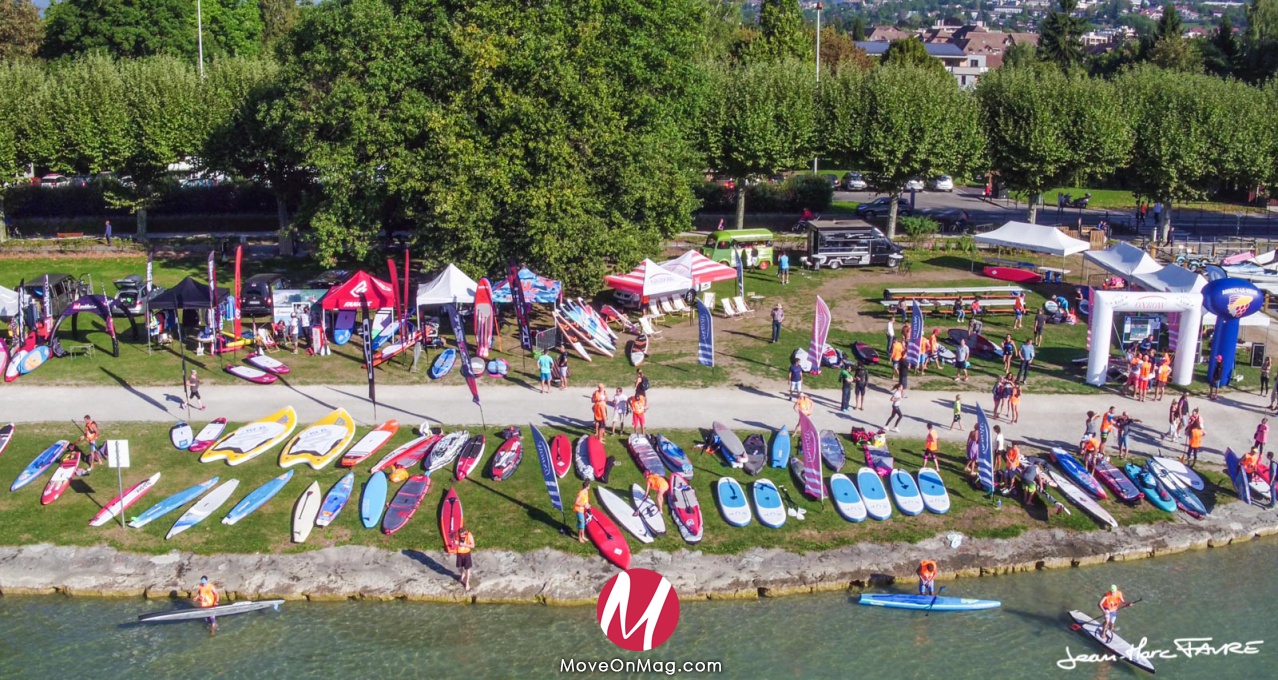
(726,182)
(914,184)
(943,183)
(328,279)
(833,179)
(950,219)
(880,206)
(132,294)
(63,290)
(854,182)
(55,181)
(258,296)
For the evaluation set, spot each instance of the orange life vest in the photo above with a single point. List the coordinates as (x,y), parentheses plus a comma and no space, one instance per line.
(929,444)
(1249,462)
(1013,457)
(1112,601)
(639,405)
(91,431)
(465,543)
(927,570)
(804,405)
(582,502)
(206,596)
(658,484)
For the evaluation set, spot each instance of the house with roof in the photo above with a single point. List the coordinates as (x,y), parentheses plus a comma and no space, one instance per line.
(966,68)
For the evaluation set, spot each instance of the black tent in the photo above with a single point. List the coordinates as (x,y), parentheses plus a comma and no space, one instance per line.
(189,294)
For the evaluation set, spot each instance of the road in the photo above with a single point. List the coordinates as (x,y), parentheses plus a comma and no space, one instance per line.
(1046,420)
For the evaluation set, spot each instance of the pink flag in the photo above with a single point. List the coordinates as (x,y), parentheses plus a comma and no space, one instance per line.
(820,328)
(810,444)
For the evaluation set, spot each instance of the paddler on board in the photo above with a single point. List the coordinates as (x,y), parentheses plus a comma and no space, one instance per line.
(206,596)
(1109,605)
(927,577)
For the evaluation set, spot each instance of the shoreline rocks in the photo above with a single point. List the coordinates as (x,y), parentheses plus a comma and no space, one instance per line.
(549,577)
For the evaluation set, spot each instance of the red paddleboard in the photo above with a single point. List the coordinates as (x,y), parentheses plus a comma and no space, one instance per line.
(472,451)
(560,454)
(409,454)
(596,454)
(1012,274)
(406,501)
(608,538)
(370,444)
(507,458)
(208,435)
(61,478)
(483,318)
(252,375)
(124,501)
(450,520)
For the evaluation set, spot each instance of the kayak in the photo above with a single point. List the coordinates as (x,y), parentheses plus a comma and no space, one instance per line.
(928,602)
(1155,494)
(1171,482)
(192,613)
(1117,482)
(732,502)
(1070,465)
(847,502)
(1090,627)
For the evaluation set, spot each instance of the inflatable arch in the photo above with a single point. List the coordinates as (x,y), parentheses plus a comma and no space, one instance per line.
(97,304)
(1106,302)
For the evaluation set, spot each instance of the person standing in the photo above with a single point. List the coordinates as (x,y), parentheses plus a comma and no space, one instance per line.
(930,445)
(204,597)
(961,360)
(1123,428)
(1009,352)
(1060,204)
(1217,373)
(1014,402)
(90,437)
(860,381)
(927,577)
(973,452)
(803,407)
(957,422)
(1174,417)
(581,506)
(1194,435)
(1027,360)
(641,382)
(1106,427)
(1262,435)
(639,412)
(1161,376)
(1109,606)
(796,378)
(620,409)
(891,335)
(1141,211)
(544,364)
(1040,320)
(778,316)
(896,356)
(192,386)
(934,349)
(599,409)
(304,320)
(565,371)
(845,382)
(783,268)
(1266,367)
(295,330)
(1018,308)
(109,232)
(465,545)
(898,393)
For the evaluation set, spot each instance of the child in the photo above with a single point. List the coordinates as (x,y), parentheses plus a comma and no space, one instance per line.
(957,423)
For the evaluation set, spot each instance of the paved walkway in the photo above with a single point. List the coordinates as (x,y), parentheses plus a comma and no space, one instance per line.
(1045,419)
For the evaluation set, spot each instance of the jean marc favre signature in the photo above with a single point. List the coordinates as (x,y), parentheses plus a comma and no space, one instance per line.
(1185,648)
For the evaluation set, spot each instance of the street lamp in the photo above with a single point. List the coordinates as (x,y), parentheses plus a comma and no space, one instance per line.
(199,34)
(818,64)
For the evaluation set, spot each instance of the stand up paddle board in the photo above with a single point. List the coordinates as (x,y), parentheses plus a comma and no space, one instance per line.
(832,453)
(730,446)
(624,514)
(755,455)
(732,502)
(42,462)
(1090,628)
(373,501)
(443,364)
(370,443)
(451,520)
(343,327)
(409,453)
(847,502)
(208,434)
(472,452)
(767,504)
(171,503)
(201,613)
(645,456)
(252,375)
(124,501)
(685,509)
(1188,475)
(207,506)
(873,494)
(268,364)
(6,433)
(335,500)
(321,441)
(781,447)
(927,602)
(608,539)
(1078,473)
(483,313)
(935,498)
(447,450)
(507,458)
(648,509)
(61,478)
(405,503)
(1155,494)
(305,511)
(906,492)
(181,436)
(253,439)
(256,499)
(561,455)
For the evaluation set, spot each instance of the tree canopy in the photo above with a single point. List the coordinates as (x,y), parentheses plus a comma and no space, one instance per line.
(141,28)
(1060,38)
(21,29)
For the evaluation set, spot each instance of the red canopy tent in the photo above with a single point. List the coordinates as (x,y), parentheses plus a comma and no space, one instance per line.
(701,269)
(361,291)
(649,279)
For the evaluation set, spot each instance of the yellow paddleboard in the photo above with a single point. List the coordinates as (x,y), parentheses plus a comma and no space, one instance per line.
(253,439)
(321,442)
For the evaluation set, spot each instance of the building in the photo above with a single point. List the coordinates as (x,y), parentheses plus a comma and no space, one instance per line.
(967,68)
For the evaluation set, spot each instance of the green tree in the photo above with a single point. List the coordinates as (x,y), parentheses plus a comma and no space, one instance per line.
(910,52)
(858,29)
(1222,51)
(20,85)
(21,29)
(838,49)
(278,17)
(1020,54)
(761,119)
(231,28)
(1169,25)
(1060,38)
(1260,40)
(781,28)
(906,121)
(139,28)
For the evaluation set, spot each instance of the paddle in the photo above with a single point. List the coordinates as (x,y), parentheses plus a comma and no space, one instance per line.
(933,603)
(792,509)
(1125,605)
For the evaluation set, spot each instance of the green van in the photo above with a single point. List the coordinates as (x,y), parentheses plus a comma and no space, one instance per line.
(755,244)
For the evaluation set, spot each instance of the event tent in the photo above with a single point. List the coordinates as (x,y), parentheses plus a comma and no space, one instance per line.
(361,291)
(1171,279)
(452,285)
(648,280)
(1033,237)
(699,268)
(537,289)
(8,302)
(189,294)
(1123,260)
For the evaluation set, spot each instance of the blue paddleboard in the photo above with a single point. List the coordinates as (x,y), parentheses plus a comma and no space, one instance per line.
(732,502)
(257,498)
(935,498)
(847,502)
(41,463)
(335,500)
(906,492)
(1078,473)
(781,448)
(373,502)
(767,503)
(343,327)
(1155,494)
(873,493)
(674,456)
(928,602)
(443,363)
(171,503)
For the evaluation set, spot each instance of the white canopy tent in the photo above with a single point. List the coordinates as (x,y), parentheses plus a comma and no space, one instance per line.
(1123,260)
(1171,279)
(452,285)
(8,302)
(1033,237)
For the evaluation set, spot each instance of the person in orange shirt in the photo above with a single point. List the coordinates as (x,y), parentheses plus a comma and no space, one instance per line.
(927,577)
(803,407)
(1193,445)
(1109,606)
(639,413)
(1091,451)
(1146,376)
(930,445)
(1249,461)
(206,596)
(925,350)
(898,351)
(1106,426)
(1162,375)
(599,408)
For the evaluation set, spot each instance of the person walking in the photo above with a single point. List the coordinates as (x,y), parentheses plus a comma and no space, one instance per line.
(778,316)
(961,360)
(1027,359)
(803,407)
(898,393)
(192,388)
(859,383)
(90,438)
(957,422)
(1217,374)
(930,445)
(581,506)
(1040,320)
(544,365)
(1060,204)
(1261,437)
(108,231)
(1174,421)
(1142,209)
(561,364)
(845,382)
(1266,367)
(973,452)
(1018,308)
(796,378)
(639,413)
(465,546)
(783,268)
(1161,376)
(599,410)
(641,382)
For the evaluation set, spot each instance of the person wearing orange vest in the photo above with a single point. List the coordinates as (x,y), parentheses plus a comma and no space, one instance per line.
(930,445)
(1146,376)
(206,596)
(1106,426)
(927,577)
(898,351)
(1013,456)
(1161,375)
(90,437)
(1109,606)
(1090,449)
(1195,437)
(581,506)
(657,488)
(803,407)
(1250,460)
(599,409)
(465,544)
(1018,307)
(639,413)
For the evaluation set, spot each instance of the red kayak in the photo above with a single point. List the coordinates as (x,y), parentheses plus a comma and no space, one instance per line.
(1012,274)
(61,478)
(608,538)
(405,504)
(561,454)
(409,454)
(450,520)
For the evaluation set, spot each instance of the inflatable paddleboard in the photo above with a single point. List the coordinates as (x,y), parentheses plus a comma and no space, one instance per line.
(730,446)
(1237,476)
(305,510)
(864,353)
(589,459)
(832,450)
(1079,497)
(507,458)
(873,494)
(268,364)
(927,602)
(343,327)
(932,488)
(252,439)
(11,371)
(32,360)
(624,514)
(781,447)
(1185,498)
(1187,474)
(1012,274)
(171,503)
(561,455)
(879,460)
(36,467)
(61,478)
(6,434)
(373,501)
(755,455)
(252,375)
(497,368)
(645,456)
(370,443)
(181,436)
(408,454)
(648,510)
(124,501)
(447,450)
(906,492)
(1078,473)
(1155,494)
(732,502)
(220,610)
(767,504)
(1117,482)
(451,520)
(208,434)
(321,441)
(443,364)
(256,499)
(483,316)
(1090,627)
(335,500)
(207,506)
(608,539)
(684,508)
(674,457)
(847,502)
(472,452)
(405,503)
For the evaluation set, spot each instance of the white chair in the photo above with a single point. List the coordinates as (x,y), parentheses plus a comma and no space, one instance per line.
(645,325)
(653,312)
(728,311)
(679,306)
(664,303)
(742,309)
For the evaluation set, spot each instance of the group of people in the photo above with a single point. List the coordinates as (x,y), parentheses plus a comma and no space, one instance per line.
(620,406)
(1142,372)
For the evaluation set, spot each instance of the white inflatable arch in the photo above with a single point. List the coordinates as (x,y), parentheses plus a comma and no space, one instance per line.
(1106,302)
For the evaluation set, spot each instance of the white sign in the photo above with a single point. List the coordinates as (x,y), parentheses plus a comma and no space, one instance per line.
(118,453)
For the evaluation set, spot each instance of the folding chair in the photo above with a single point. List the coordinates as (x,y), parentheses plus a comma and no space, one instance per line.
(679,306)
(645,325)
(664,303)
(742,309)
(728,311)
(653,312)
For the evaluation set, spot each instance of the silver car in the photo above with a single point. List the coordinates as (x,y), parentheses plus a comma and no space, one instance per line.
(943,183)
(854,182)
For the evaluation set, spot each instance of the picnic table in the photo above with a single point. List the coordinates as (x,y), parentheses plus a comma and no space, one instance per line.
(985,293)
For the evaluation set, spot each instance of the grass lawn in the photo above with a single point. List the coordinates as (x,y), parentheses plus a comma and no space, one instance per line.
(515,514)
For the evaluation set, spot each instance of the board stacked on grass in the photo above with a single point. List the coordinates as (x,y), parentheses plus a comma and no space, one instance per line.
(645,455)
(373,501)
(256,499)
(847,501)
(405,504)
(408,454)
(607,538)
(207,506)
(39,464)
(873,494)
(61,479)
(207,436)
(507,457)
(561,455)
(305,512)
(906,492)
(253,439)
(6,433)
(124,501)
(767,504)
(321,441)
(624,514)
(171,503)
(673,456)
(335,500)
(935,498)
(370,443)
(447,450)
(685,509)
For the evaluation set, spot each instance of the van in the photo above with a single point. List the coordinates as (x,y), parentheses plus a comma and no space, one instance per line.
(257,298)
(849,243)
(755,244)
(63,290)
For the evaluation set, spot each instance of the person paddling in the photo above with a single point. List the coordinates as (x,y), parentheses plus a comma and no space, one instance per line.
(580,506)
(206,596)
(927,577)
(465,544)
(1109,605)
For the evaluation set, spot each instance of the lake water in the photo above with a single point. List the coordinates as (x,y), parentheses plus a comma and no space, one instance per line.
(821,636)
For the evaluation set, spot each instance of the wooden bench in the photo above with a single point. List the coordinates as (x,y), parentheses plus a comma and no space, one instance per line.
(934,293)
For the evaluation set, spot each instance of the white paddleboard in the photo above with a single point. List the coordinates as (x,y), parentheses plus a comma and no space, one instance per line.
(305,510)
(647,510)
(182,436)
(767,503)
(1186,473)
(1080,498)
(624,514)
(906,492)
(847,501)
(935,498)
(732,502)
(207,506)
(873,494)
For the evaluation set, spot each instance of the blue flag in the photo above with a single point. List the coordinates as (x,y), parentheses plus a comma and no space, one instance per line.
(463,354)
(985,452)
(705,340)
(916,335)
(737,255)
(547,468)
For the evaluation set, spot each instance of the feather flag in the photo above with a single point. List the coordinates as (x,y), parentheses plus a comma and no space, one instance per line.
(740,263)
(521,307)
(47,291)
(985,451)
(459,332)
(820,329)
(394,282)
(404,302)
(705,331)
(214,322)
(237,325)
(916,335)
(367,331)
(810,444)
(547,469)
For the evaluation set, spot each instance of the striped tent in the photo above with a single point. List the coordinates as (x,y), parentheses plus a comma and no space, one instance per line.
(701,269)
(649,279)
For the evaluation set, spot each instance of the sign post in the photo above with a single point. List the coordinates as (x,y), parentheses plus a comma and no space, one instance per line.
(118,458)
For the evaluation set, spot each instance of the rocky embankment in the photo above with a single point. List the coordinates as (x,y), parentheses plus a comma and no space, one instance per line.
(551,577)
